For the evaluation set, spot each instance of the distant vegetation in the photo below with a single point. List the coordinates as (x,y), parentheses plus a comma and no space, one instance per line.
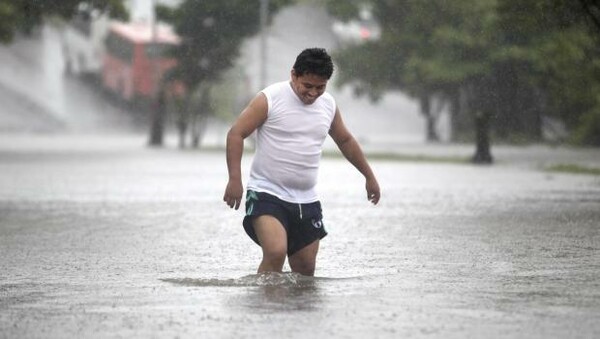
(212,34)
(25,15)
(573,169)
(509,66)
(504,69)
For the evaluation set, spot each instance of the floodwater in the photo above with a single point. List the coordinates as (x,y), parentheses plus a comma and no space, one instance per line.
(108,238)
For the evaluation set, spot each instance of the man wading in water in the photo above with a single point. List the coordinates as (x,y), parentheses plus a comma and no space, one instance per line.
(292,119)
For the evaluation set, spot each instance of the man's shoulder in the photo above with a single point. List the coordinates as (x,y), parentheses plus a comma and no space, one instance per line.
(277,86)
(328,96)
(276,92)
(329,100)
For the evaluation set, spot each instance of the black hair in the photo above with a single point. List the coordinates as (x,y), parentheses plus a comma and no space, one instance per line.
(314,61)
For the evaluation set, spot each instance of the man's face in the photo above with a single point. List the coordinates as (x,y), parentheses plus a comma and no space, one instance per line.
(308,87)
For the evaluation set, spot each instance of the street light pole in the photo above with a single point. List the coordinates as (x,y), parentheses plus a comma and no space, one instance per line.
(154,49)
(264,13)
(157,104)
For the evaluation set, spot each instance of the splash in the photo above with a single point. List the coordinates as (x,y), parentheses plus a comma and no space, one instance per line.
(288,279)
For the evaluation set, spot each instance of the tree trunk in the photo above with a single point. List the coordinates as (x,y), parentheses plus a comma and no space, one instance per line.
(482,139)
(431,133)
(183,120)
(181,131)
(198,130)
(200,117)
(157,126)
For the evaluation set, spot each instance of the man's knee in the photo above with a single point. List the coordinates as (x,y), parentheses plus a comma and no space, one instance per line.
(303,267)
(276,252)
(304,260)
(271,237)
(273,259)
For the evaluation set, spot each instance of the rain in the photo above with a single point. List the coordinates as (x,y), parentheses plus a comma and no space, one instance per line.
(105,232)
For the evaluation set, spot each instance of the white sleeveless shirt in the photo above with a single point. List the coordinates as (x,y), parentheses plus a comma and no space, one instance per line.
(289,144)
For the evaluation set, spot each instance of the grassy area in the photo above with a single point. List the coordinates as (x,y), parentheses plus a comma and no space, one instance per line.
(406,157)
(573,169)
(377,156)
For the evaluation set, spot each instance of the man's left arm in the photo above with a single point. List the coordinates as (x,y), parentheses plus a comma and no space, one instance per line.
(352,151)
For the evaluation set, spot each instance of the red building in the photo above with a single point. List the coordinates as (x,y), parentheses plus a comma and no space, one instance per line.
(137,58)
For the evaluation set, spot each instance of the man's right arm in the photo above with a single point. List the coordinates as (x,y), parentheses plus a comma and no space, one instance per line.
(249,120)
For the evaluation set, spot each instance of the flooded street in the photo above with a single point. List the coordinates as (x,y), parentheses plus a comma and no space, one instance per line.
(117,240)
(101,236)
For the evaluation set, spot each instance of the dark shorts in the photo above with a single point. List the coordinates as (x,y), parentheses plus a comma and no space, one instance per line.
(303,223)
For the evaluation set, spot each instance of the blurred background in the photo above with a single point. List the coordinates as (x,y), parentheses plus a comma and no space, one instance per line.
(113,224)
(465,72)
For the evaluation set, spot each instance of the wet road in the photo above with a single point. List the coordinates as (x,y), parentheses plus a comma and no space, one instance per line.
(117,240)
(102,237)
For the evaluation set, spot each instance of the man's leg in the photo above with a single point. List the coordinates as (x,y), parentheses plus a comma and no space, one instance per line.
(304,260)
(273,240)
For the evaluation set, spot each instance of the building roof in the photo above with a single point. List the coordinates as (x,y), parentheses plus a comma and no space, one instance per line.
(141,32)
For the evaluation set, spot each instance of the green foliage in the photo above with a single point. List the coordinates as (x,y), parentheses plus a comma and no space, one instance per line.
(588,130)
(515,60)
(212,33)
(25,15)
(555,52)
(372,78)
(573,169)
(421,158)
(344,9)
(8,20)
(423,49)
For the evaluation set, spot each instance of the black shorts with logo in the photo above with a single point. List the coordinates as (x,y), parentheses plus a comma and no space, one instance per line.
(303,223)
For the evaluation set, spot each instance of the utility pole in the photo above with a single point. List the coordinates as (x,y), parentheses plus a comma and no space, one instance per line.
(157,101)
(264,13)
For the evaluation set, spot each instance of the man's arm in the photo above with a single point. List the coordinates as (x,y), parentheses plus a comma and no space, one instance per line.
(352,151)
(249,120)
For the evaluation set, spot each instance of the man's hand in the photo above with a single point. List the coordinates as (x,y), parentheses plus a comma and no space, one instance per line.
(373,192)
(233,193)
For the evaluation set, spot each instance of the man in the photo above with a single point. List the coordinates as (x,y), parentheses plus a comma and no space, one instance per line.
(292,120)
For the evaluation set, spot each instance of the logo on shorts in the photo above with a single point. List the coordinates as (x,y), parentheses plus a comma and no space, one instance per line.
(251,196)
(317,223)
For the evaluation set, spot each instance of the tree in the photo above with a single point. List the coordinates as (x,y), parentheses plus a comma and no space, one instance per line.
(553,48)
(212,33)
(506,64)
(25,15)
(429,50)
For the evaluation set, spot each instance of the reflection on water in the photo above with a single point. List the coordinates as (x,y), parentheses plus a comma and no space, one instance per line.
(277,298)
(268,291)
